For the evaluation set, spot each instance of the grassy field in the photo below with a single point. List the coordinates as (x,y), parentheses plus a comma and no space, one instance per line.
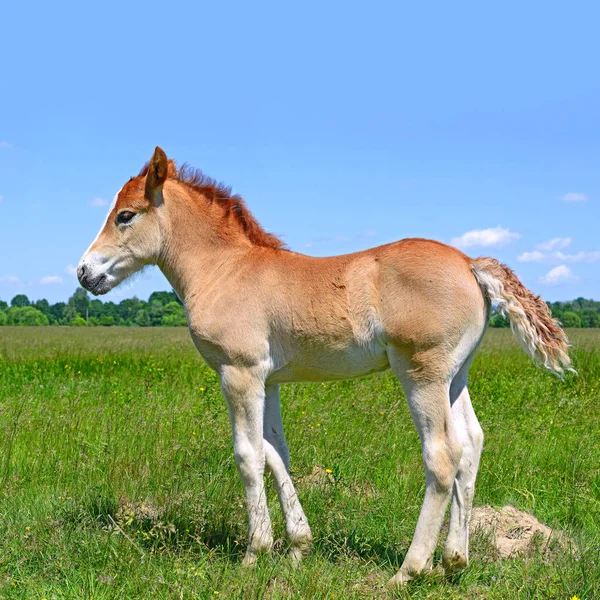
(117,477)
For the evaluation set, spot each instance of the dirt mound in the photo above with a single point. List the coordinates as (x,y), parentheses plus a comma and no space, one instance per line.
(139,512)
(513,531)
(318,477)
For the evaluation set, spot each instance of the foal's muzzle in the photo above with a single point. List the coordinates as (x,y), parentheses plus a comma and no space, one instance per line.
(97,285)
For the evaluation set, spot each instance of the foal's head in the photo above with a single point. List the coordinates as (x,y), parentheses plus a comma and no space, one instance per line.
(131,237)
(166,211)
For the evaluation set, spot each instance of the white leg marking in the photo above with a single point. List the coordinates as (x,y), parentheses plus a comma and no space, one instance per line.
(277,458)
(456,549)
(244,393)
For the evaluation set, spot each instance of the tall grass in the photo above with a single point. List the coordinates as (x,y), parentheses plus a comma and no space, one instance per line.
(117,477)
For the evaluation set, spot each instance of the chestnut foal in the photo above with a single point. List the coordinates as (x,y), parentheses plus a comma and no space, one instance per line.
(261,315)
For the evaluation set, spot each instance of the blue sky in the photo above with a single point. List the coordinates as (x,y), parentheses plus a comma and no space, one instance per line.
(344,126)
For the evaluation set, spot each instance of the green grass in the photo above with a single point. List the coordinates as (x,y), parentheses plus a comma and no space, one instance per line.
(117,477)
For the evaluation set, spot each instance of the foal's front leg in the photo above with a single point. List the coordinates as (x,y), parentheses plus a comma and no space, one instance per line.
(245,395)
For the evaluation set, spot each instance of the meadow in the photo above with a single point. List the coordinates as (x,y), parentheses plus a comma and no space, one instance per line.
(117,476)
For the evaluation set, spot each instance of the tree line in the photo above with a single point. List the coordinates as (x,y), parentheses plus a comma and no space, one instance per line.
(164,309)
(576,313)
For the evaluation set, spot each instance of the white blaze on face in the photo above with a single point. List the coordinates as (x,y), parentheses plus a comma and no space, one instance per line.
(95,263)
(110,209)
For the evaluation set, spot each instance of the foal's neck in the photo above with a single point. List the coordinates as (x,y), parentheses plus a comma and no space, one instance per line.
(199,244)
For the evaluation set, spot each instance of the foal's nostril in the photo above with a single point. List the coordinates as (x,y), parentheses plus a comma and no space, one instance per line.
(81,274)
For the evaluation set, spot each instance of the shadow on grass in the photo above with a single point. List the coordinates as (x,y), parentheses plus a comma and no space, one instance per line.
(346,545)
(185,527)
(177,528)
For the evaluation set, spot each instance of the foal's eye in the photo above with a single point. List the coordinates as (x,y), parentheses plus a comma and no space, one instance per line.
(125,217)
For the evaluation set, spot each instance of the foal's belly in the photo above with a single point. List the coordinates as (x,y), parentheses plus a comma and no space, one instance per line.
(314,364)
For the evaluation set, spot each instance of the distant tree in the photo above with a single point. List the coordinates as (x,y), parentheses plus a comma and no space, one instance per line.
(499,320)
(556,309)
(78,322)
(142,318)
(588,317)
(107,320)
(174,315)
(155,312)
(58,313)
(26,315)
(44,307)
(79,303)
(96,309)
(20,300)
(3,306)
(128,309)
(164,298)
(3,318)
(111,310)
(570,319)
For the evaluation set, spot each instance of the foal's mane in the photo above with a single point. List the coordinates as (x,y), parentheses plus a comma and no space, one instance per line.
(232,204)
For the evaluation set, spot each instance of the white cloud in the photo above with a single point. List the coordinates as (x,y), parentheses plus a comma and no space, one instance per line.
(535,256)
(49,279)
(98,202)
(494,237)
(574,197)
(559,257)
(71,270)
(582,256)
(10,279)
(557,243)
(558,275)
(5,145)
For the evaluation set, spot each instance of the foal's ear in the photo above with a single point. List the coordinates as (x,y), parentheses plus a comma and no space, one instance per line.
(158,170)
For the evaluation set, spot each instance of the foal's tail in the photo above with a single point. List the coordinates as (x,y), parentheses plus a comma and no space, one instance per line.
(530,319)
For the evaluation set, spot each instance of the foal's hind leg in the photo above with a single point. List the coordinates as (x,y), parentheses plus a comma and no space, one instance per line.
(277,456)
(456,549)
(429,404)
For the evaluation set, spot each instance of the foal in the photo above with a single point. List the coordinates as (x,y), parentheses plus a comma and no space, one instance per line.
(261,315)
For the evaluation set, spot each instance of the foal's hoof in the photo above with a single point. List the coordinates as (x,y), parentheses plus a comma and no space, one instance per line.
(249,559)
(298,551)
(296,555)
(300,538)
(453,562)
(400,579)
(403,576)
(253,552)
